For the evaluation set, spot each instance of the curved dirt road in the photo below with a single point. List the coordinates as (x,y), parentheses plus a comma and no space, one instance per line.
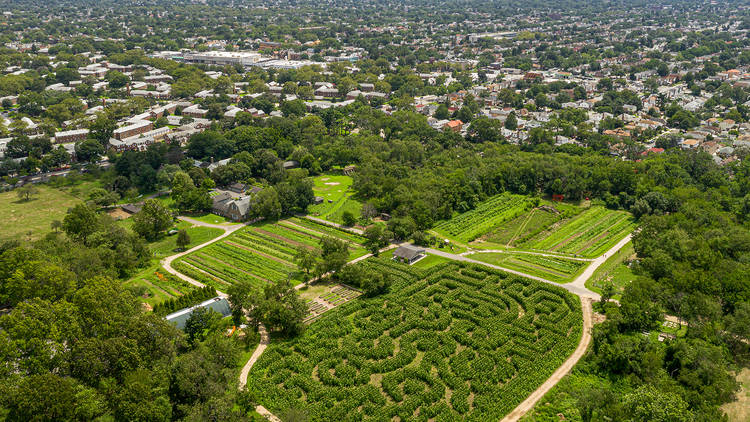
(563,370)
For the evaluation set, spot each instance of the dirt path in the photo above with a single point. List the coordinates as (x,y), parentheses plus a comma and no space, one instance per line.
(328,223)
(548,255)
(563,370)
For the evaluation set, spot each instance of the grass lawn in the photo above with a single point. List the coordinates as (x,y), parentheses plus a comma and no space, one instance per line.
(167,245)
(30,220)
(614,270)
(559,270)
(212,219)
(739,410)
(336,193)
(429,261)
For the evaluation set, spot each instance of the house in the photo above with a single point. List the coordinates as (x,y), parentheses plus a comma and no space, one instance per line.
(454,125)
(409,253)
(217,304)
(238,188)
(236,209)
(132,208)
(291,164)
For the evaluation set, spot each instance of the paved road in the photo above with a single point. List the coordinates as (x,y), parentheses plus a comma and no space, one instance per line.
(580,281)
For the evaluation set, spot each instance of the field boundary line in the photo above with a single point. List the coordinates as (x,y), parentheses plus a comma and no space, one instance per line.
(520,229)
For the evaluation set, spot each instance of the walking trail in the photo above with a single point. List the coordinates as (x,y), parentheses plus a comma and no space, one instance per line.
(577,287)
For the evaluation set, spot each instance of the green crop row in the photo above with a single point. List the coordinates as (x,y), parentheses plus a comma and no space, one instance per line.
(485,217)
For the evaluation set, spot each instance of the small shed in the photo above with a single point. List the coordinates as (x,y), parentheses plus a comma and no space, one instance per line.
(409,253)
(131,208)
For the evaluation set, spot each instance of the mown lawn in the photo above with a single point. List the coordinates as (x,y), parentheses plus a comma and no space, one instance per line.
(615,271)
(30,220)
(337,198)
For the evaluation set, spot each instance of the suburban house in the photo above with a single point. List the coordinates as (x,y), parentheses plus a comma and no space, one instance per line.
(217,304)
(409,253)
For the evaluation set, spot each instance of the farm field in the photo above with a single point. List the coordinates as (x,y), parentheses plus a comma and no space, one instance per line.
(452,342)
(615,271)
(336,193)
(155,285)
(30,220)
(485,217)
(527,225)
(261,253)
(588,234)
(557,269)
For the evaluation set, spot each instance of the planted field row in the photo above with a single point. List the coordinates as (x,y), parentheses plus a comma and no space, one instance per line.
(559,270)
(260,254)
(588,234)
(455,342)
(485,217)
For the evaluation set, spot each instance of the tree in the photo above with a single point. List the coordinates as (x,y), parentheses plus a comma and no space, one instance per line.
(607,292)
(368,211)
(294,108)
(648,403)
(183,239)
(102,129)
(375,238)
(348,218)
(305,259)
(56,225)
(334,254)
(199,322)
(152,219)
(102,197)
(511,122)
(26,191)
(80,222)
(280,308)
(89,150)
(116,79)
(442,112)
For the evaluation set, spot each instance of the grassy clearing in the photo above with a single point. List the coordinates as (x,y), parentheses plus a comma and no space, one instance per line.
(429,261)
(30,220)
(739,410)
(167,245)
(615,271)
(336,193)
(589,234)
(557,269)
(213,219)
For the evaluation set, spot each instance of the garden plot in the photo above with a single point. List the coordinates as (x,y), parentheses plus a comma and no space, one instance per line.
(485,217)
(453,342)
(589,234)
(557,269)
(260,254)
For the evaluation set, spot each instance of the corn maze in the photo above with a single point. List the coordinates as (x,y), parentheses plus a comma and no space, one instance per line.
(454,342)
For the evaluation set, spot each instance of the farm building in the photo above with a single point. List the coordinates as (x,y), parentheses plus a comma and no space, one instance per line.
(236,209)
(409,253)
(217,304)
